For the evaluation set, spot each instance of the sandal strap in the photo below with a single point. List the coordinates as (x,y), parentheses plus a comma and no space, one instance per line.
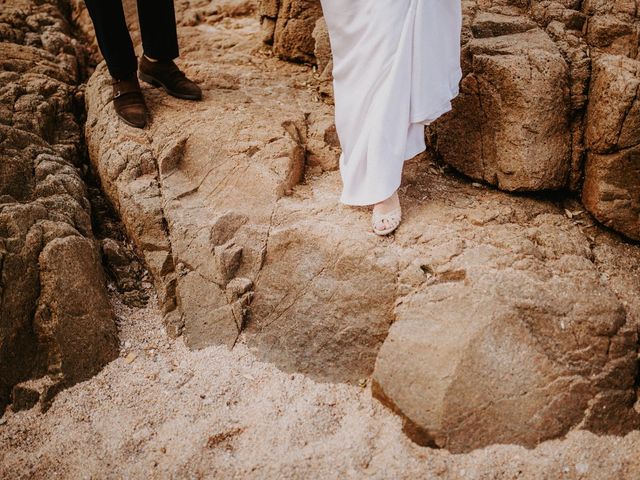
(392,217)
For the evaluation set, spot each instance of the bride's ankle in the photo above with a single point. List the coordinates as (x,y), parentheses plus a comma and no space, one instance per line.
(391,202)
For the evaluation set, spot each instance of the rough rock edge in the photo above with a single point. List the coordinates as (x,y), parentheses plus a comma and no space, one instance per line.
(71,340)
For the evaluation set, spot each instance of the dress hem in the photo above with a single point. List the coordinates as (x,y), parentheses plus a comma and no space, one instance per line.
(360,203)
(426,118)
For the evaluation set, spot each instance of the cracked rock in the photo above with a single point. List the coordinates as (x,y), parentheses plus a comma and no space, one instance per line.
(56,323)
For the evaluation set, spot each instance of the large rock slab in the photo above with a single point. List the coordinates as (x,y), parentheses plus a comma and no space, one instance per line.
(325,293)
(205,194)
(612,173)
(510,337)
(55,319)
(518,96)
(486,317)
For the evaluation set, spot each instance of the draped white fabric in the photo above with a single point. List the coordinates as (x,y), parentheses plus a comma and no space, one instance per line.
(396,68)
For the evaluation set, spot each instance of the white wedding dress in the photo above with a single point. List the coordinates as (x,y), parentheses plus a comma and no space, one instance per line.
(396,68)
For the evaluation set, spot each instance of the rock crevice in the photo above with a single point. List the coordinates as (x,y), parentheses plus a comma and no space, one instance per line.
(56,324)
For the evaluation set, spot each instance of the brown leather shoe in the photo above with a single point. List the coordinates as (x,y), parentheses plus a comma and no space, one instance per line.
(129,102)
(168,76)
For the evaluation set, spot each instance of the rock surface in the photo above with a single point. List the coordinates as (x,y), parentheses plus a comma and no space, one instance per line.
(531,116)
(55,319)
(612,170)
(518,96)
(199,193)
(162,411)
(288,25)
(488,318)
(507,333)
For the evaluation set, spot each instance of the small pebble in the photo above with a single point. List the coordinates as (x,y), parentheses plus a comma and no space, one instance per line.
(582,468)
(131,357)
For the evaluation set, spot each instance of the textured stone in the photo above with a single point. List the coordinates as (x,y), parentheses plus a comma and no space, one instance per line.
(74,318)
(612,173)
(487,24)
(290,25)
(27,395)
(518,97)
(486,317)
(55,321)
(322,49)
(614,106)
(131,184)
(512,338)
(611,190)
(330,314)
(190,201)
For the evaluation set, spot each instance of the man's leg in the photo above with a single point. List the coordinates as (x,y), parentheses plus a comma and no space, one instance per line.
(158,29)
(160,43)
(113,37)
(117,49)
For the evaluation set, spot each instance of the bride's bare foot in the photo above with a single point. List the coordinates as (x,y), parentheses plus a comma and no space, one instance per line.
(387,215)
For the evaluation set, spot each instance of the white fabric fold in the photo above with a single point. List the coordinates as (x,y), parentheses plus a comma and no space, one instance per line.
(396,68)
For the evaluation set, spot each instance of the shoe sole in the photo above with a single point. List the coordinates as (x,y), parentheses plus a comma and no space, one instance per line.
(385,233)
(131,124)
(158,84)
(127,122)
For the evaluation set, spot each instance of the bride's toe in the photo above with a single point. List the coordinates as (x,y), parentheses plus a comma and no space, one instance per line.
(386,224)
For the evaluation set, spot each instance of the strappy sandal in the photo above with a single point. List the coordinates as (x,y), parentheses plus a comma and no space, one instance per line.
(391,219)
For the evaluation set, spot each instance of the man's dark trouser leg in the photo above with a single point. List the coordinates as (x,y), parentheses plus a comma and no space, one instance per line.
(113,37)
(158,29)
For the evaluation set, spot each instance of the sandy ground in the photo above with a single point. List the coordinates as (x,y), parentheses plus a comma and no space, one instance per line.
(162,411)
